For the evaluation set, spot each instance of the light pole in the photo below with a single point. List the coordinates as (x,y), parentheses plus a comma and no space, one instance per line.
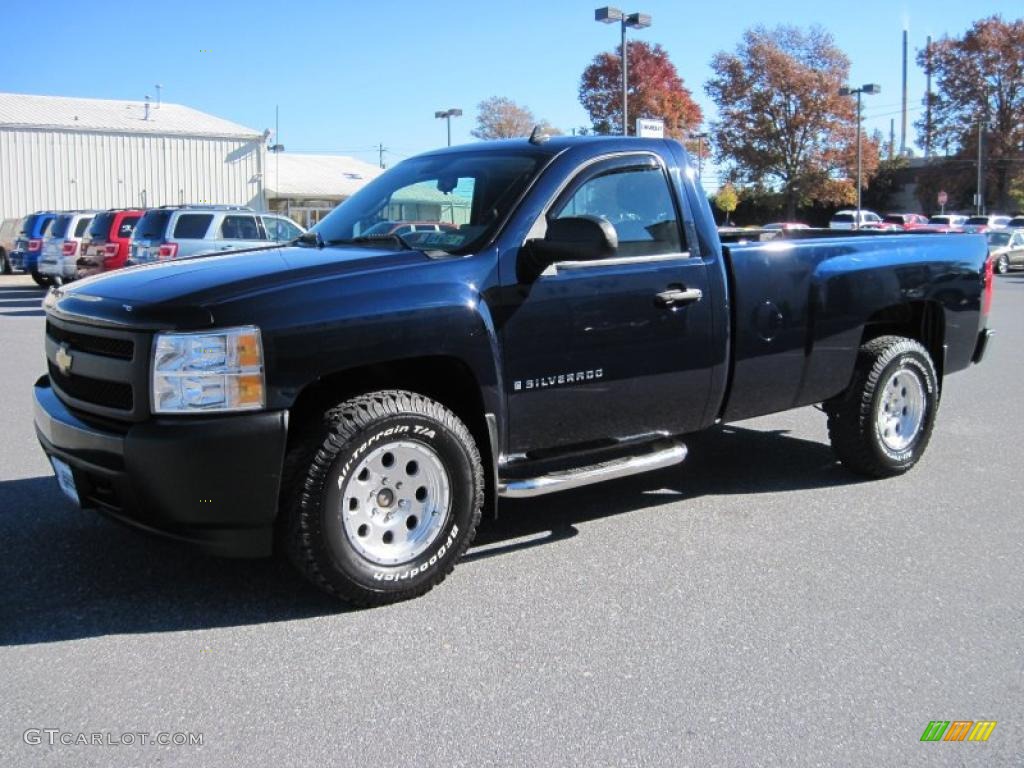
(979,200)
(700,152)
(609,15)
(448,114)
(872,89)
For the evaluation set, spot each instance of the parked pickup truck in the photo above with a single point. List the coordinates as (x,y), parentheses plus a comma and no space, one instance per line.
(359,401)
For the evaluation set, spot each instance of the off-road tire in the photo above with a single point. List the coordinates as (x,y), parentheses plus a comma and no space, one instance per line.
(853,416)
(323,465)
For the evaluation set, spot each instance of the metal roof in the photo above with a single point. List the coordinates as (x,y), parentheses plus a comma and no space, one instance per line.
(18,110)
(316,176)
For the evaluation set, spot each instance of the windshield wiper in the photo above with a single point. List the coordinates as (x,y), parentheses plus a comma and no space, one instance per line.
(393,237)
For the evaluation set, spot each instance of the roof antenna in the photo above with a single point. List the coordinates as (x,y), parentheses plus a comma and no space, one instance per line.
(538,135)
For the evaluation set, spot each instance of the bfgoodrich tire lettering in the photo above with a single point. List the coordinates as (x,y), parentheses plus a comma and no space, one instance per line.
(326,551)
(859,419)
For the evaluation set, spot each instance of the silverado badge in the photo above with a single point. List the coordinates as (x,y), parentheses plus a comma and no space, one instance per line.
(63,359)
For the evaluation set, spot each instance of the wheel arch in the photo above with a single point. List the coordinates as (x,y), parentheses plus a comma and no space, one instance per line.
(923,321)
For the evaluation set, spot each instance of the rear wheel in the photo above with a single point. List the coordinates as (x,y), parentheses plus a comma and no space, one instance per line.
(40,279)
(5,262)
(385,498)
(1003,265)
(882,424)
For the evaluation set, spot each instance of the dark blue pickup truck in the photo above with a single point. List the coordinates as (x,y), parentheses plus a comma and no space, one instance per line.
(358,399)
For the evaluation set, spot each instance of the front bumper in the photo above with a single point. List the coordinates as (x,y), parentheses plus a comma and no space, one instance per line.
(210,481)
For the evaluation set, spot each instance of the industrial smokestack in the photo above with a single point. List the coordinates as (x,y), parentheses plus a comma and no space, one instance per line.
(903,124)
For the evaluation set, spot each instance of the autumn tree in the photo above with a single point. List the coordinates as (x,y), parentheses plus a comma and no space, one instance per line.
(726,200)
(501,118)
(980,79)
(655,89)
(782,123)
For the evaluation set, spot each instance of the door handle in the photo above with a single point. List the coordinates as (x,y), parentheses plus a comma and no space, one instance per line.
(678,296)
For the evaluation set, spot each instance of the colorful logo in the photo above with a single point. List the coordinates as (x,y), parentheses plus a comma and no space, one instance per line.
(958,730)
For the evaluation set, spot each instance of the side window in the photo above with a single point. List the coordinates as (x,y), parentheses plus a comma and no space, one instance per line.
(239,228)
(127,226)
(192,226)
(637,202)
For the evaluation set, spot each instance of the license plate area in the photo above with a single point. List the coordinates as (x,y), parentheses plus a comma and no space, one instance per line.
(65,479)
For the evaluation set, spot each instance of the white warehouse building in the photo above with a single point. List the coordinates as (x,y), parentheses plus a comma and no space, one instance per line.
(60,153)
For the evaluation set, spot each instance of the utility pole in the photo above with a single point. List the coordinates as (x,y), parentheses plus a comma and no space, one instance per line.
(380,153)
(903,128)
(892,138)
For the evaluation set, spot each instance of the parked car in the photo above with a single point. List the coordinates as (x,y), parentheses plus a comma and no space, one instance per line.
(1006,249)
(9,229)
(952,220)
(29,244)
(387,228)
(853,219)
(786,226)
(173,232)
(365,400)
(62,245)
(906,221)
(106,244)
(983,224)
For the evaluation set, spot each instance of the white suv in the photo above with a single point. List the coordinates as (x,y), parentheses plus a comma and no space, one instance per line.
(852,219)
(62,244)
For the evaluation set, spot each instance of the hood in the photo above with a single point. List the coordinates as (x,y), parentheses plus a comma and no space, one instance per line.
(151,293)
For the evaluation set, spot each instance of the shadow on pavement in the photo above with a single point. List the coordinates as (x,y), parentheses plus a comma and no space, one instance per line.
(70,574)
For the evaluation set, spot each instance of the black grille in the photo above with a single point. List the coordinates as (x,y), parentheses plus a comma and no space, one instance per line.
(105,346)
(110,394)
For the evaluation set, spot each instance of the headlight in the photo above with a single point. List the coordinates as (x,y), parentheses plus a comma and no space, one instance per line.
(208,371)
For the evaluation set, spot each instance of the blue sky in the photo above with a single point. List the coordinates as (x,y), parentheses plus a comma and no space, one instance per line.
(349,75)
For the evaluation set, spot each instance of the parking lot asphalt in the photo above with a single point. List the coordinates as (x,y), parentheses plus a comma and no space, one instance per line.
(757,605)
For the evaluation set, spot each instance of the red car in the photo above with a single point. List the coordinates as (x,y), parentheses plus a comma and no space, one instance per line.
(106,246)
(906,221)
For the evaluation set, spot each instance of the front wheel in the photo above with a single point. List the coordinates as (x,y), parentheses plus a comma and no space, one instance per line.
(385,498)
(881,425)
(1003,265)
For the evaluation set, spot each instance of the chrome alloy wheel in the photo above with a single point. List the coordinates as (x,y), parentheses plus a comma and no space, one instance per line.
(901,409)
(395,502)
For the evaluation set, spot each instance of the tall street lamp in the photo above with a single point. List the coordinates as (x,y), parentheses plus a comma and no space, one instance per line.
(448,114)
(872,89)
(700,151)
(609,15)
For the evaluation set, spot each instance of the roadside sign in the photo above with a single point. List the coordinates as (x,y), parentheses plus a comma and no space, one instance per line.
(650,128)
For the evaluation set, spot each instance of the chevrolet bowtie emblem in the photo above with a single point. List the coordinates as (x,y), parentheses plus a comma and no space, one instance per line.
(63,359)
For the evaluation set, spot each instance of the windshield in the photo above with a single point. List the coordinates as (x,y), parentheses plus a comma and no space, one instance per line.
(998,238)
(466,194)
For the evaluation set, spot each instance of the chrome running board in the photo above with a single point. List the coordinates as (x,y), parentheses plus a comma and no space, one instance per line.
(598,473)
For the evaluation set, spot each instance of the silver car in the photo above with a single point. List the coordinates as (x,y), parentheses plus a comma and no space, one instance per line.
(62,244)
(174,232)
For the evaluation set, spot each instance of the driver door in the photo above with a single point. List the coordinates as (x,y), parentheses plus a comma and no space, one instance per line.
(593,352)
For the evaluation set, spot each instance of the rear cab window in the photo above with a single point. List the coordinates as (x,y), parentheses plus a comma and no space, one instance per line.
(192,226)
(99,229)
